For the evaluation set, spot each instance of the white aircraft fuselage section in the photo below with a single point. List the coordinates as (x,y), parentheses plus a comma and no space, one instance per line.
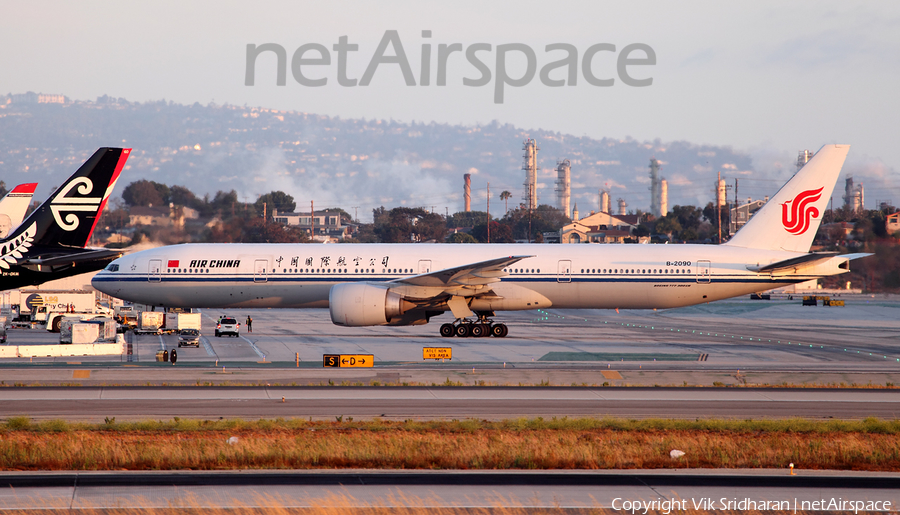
(602,276)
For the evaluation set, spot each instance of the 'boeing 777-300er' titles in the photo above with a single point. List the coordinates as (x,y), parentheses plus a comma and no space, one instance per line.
(407,284)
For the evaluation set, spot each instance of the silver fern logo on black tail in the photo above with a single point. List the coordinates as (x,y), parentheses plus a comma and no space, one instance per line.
(14,250)
(64,203)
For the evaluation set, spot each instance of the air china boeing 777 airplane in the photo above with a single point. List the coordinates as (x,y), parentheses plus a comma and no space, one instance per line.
(407,284)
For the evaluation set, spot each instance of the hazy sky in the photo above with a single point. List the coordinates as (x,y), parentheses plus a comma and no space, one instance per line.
(759,76)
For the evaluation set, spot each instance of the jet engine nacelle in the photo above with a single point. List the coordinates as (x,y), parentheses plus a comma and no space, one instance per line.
(361,304)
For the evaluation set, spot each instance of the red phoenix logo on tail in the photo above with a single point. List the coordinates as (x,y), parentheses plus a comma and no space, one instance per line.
(796,217)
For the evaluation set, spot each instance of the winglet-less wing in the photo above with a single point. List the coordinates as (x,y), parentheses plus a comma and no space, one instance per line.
(473,274)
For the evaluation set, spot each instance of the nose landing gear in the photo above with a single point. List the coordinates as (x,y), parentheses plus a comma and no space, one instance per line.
(476,329)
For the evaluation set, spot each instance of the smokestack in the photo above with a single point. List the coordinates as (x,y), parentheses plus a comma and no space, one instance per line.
(862,197)
(468,191)
(655,188)
(803,157)
(604,201)
(663,197)
(720,193)
(622,207)
(530,195)
(849,195)
(563,184)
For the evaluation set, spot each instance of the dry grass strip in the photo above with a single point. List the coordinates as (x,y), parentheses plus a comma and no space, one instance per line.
(514,444)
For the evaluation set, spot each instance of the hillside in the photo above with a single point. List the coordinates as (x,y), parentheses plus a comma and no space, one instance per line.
(351,163)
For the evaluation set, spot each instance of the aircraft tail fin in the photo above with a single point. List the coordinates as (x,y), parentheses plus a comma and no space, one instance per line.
(789,220)
(68,217)
(14,205)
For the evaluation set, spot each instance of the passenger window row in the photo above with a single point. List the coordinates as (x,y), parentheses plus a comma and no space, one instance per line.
(345,270)
(656,271)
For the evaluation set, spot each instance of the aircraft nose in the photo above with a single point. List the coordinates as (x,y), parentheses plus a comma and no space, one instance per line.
(101,280)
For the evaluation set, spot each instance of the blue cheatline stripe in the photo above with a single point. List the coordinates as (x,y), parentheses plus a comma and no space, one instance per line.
(286,279)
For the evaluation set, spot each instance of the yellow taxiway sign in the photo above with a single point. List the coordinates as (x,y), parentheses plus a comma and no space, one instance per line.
(348,360)
(437,353)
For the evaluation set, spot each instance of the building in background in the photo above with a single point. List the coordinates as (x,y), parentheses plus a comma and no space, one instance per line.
(34,98)
(328,226)
(602,228)
(741,214)
(892,223)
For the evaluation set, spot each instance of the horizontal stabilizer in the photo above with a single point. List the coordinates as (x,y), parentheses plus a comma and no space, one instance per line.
(806,259)
(802,261)
(76,257)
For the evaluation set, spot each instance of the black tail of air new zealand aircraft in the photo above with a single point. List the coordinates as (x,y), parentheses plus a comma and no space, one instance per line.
(50,243)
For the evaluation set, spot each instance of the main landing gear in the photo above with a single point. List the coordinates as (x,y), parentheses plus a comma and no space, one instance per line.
(475,329)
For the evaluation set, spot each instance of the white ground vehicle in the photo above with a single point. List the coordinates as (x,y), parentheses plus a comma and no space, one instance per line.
(75,330)
(55,318)
(150,322)
(38,303)
(175,322)
(228,325)
(49,307)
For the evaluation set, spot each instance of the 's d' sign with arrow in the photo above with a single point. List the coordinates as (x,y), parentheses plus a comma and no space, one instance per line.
(348,360)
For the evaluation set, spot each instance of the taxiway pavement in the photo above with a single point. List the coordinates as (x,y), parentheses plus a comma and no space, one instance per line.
(401,403)
(434,489)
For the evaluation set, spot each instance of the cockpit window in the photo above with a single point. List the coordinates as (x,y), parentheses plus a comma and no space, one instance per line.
(113,267)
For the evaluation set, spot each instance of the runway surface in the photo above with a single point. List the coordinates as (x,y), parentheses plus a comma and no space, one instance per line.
(400,403)
(568,489)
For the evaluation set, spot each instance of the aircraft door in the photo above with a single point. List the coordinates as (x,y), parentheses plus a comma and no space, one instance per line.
(564,271)
(154,274)
(424,266)
(703,271)
(260,269)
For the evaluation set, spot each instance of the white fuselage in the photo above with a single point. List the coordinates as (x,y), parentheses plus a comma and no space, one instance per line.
(569,276)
